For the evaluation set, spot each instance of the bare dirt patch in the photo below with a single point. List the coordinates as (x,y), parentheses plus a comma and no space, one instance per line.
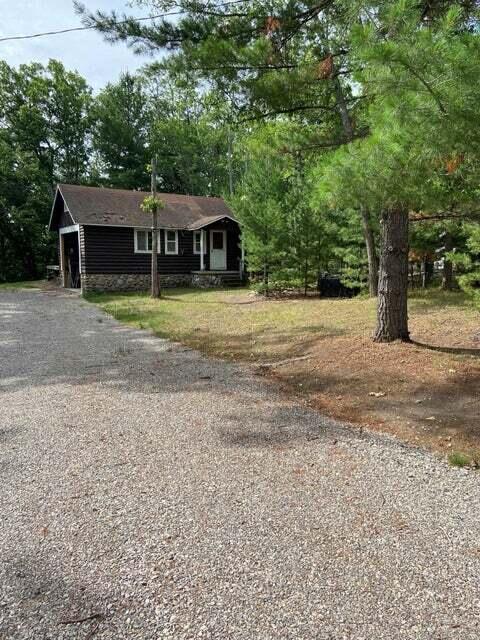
(427,398)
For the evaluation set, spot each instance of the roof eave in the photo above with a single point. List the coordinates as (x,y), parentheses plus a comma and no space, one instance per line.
(53,207)
(201,225)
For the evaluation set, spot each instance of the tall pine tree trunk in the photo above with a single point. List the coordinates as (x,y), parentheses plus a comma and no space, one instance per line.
(392,313)
(305,278)
(447,277)
(265,279)
(371,253)
(342,107)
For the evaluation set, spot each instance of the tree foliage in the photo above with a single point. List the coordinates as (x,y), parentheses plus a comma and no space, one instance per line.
(44,125)
(121,118)
(288,240)
(52,129)
(321,117)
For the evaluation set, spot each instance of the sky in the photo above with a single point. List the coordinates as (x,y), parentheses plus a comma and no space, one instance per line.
(84,51)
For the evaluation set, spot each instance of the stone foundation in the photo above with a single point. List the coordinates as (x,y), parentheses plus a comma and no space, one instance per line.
(174,280)
(141,281)
(131,281)
(207,281)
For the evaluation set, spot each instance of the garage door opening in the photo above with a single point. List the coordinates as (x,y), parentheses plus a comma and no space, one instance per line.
(70,260)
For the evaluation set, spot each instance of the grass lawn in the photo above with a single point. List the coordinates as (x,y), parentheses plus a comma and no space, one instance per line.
(234,324)
(26,284)
(426,393)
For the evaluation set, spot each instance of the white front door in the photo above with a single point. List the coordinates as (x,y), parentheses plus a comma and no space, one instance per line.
(218,250)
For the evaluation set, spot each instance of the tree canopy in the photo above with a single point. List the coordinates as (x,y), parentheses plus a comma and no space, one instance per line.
(343,133)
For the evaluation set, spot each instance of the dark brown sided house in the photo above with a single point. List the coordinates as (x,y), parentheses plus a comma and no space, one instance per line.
(105,240)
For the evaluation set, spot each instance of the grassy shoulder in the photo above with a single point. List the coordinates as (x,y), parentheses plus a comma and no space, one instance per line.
(235,323)
(25,284)
(427,392)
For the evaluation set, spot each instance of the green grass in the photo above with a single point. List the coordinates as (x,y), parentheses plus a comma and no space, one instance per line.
(233,324)
(26,284)
(458,459)
(437,298)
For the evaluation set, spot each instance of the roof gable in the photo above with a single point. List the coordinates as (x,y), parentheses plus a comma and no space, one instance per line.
(120,207)
(59,216)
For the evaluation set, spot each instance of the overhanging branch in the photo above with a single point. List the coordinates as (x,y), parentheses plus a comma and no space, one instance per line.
(473,216)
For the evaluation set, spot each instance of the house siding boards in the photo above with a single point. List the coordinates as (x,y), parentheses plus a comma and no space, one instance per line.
(234,252)
(65,219)
(60,217)
(112,250)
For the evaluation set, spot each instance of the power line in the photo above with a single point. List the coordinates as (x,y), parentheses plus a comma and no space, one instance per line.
(54,33)
(90,27)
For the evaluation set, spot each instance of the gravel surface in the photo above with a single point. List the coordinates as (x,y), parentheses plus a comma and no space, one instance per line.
(147,492)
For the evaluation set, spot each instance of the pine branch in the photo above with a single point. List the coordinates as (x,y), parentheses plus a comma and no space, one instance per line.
(259,67)
(297,108)
(168,35)
(446,215)
(304,18)
(277,112)
(427,86)
(361,133)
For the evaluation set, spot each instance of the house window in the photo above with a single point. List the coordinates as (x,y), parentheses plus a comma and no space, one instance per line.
(197,243)
(143,241)
(171,242)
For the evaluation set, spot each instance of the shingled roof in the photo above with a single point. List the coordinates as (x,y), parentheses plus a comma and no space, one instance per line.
(120,207)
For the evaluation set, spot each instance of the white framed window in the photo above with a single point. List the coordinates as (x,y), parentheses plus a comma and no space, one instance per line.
(197,247)
(143,241)
(171,242)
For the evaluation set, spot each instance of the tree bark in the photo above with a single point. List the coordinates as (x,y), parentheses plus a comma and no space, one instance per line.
(447,277)
(371,253)
(154,271)
(230,155)
(305,278)
(342,107)
(392,313)
(427,271)
(265,279)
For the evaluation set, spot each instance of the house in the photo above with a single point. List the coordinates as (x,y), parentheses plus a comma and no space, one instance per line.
(105,240)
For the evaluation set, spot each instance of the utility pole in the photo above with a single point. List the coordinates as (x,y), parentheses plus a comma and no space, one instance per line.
(230,185)
(230,168)
(155,284)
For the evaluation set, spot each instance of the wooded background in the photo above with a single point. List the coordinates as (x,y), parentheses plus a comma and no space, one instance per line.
(344,134)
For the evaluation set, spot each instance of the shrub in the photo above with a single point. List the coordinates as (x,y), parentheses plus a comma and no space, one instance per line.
(458,459)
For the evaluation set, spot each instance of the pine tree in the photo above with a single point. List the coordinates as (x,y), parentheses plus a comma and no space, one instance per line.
(285,236)
(415,66)
(420,134)
(121,133)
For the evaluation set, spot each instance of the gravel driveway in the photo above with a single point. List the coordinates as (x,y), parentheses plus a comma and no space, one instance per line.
(147,492)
